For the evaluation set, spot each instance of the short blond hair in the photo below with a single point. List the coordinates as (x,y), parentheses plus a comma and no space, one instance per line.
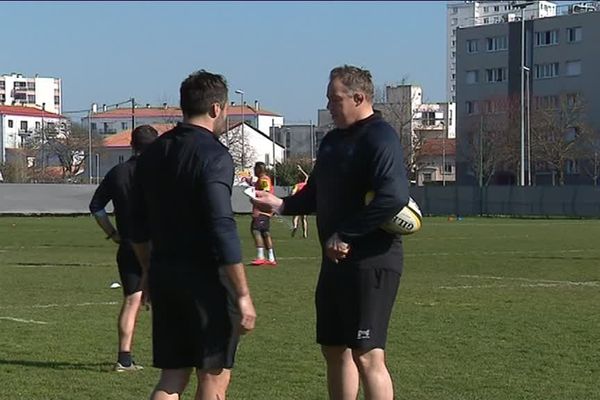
(355,79)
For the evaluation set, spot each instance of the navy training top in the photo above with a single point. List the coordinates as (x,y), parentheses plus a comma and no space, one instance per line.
(367,156)
(182,201)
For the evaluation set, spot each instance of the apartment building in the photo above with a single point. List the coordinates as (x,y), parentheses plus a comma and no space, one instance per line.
(466,14)
(38,92)
(561,59)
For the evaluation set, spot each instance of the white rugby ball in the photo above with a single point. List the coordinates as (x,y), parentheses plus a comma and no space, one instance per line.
(407,221)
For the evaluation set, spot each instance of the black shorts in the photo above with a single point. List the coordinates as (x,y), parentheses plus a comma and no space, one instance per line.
(194,319)
(262,223)
(354,306)
(130,270)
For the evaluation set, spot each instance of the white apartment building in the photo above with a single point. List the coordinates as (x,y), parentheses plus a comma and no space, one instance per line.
(38,92)
(18,123)
(473,13)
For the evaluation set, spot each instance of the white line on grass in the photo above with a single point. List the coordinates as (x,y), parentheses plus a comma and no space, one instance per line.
(536,281)
(104,303)
(25,321)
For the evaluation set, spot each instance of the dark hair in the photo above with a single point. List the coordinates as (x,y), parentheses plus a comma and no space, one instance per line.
(260,166)
(199,91)
(142,136)
(355,79)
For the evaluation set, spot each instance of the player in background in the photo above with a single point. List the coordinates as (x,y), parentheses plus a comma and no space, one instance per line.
(261,221)
(117,186)
(302,179)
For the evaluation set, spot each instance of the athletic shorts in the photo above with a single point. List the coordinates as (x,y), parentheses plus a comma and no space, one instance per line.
(354,306)
(262,223)
(194,319)
(130,270)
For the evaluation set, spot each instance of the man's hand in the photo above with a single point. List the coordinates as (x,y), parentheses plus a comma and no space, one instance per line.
(248,314)
(335,249)
(267,202)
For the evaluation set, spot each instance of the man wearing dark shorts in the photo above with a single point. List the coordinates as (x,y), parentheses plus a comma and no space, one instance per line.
(186,239)
(260,227)
(362,264)
(117,186)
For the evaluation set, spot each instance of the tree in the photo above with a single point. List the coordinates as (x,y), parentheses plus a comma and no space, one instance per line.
(232,138)
(70,149)
(287,172)
(559,133)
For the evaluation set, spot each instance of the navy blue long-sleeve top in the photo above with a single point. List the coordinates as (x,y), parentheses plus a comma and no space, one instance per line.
(117,187)
(367,156)
(182,201)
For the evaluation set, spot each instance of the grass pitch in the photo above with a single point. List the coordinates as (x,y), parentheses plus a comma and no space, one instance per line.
(487,309)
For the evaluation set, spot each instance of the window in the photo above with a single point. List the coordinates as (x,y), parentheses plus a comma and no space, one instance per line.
(472,77)
(496,8)
(573,68)
(471,107)
(572,99)
(454,43)
(574,34)
(10,123)
(453,54)
(123,125)
(37,125)
(472,46)
(496,75)
(30,85)
(121,159)
(486,9)
(105,127)
(486,20)
(2,85)
(572,167)
(427,177)
(448,168)
(542,71)
(93,126)
(454,21)
(546,102)
(23,125)
(454,10)
(546,38)
(428,118)
(20,96)
(31,99)
(56,99)
(450,117)
(497,43)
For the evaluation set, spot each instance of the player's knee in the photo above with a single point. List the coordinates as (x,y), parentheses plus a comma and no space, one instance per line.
(368,359)
(133,300)
(174,380)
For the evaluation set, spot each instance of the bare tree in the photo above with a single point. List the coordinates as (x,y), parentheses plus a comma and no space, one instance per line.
(232,138)
(70,149)
(559,133)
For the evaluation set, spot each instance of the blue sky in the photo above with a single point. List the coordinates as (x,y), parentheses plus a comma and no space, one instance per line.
(279,53)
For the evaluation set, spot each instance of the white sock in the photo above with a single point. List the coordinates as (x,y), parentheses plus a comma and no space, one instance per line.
(271,255)
(260,253)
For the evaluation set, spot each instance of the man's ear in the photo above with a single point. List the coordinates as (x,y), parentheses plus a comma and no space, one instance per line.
(215,108)
(358,98)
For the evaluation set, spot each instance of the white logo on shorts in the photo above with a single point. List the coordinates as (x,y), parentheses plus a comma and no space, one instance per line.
(363,334)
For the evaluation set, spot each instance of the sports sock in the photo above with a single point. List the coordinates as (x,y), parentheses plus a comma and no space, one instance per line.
(260,253)
(271,255)
(125,358)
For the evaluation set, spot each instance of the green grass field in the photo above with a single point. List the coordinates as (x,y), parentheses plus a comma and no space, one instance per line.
(487,309)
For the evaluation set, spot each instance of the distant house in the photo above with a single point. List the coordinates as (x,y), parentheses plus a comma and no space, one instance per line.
(259,147)
(19,123)
(110,122)
(436,162)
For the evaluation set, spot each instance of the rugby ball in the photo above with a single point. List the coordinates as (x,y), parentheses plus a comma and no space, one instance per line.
(407,221)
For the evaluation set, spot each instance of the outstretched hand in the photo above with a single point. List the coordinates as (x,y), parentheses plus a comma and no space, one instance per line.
(267,202)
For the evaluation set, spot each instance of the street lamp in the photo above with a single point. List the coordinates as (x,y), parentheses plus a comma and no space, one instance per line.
(43,136)
(527,84)
(522,6)
(241,93)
